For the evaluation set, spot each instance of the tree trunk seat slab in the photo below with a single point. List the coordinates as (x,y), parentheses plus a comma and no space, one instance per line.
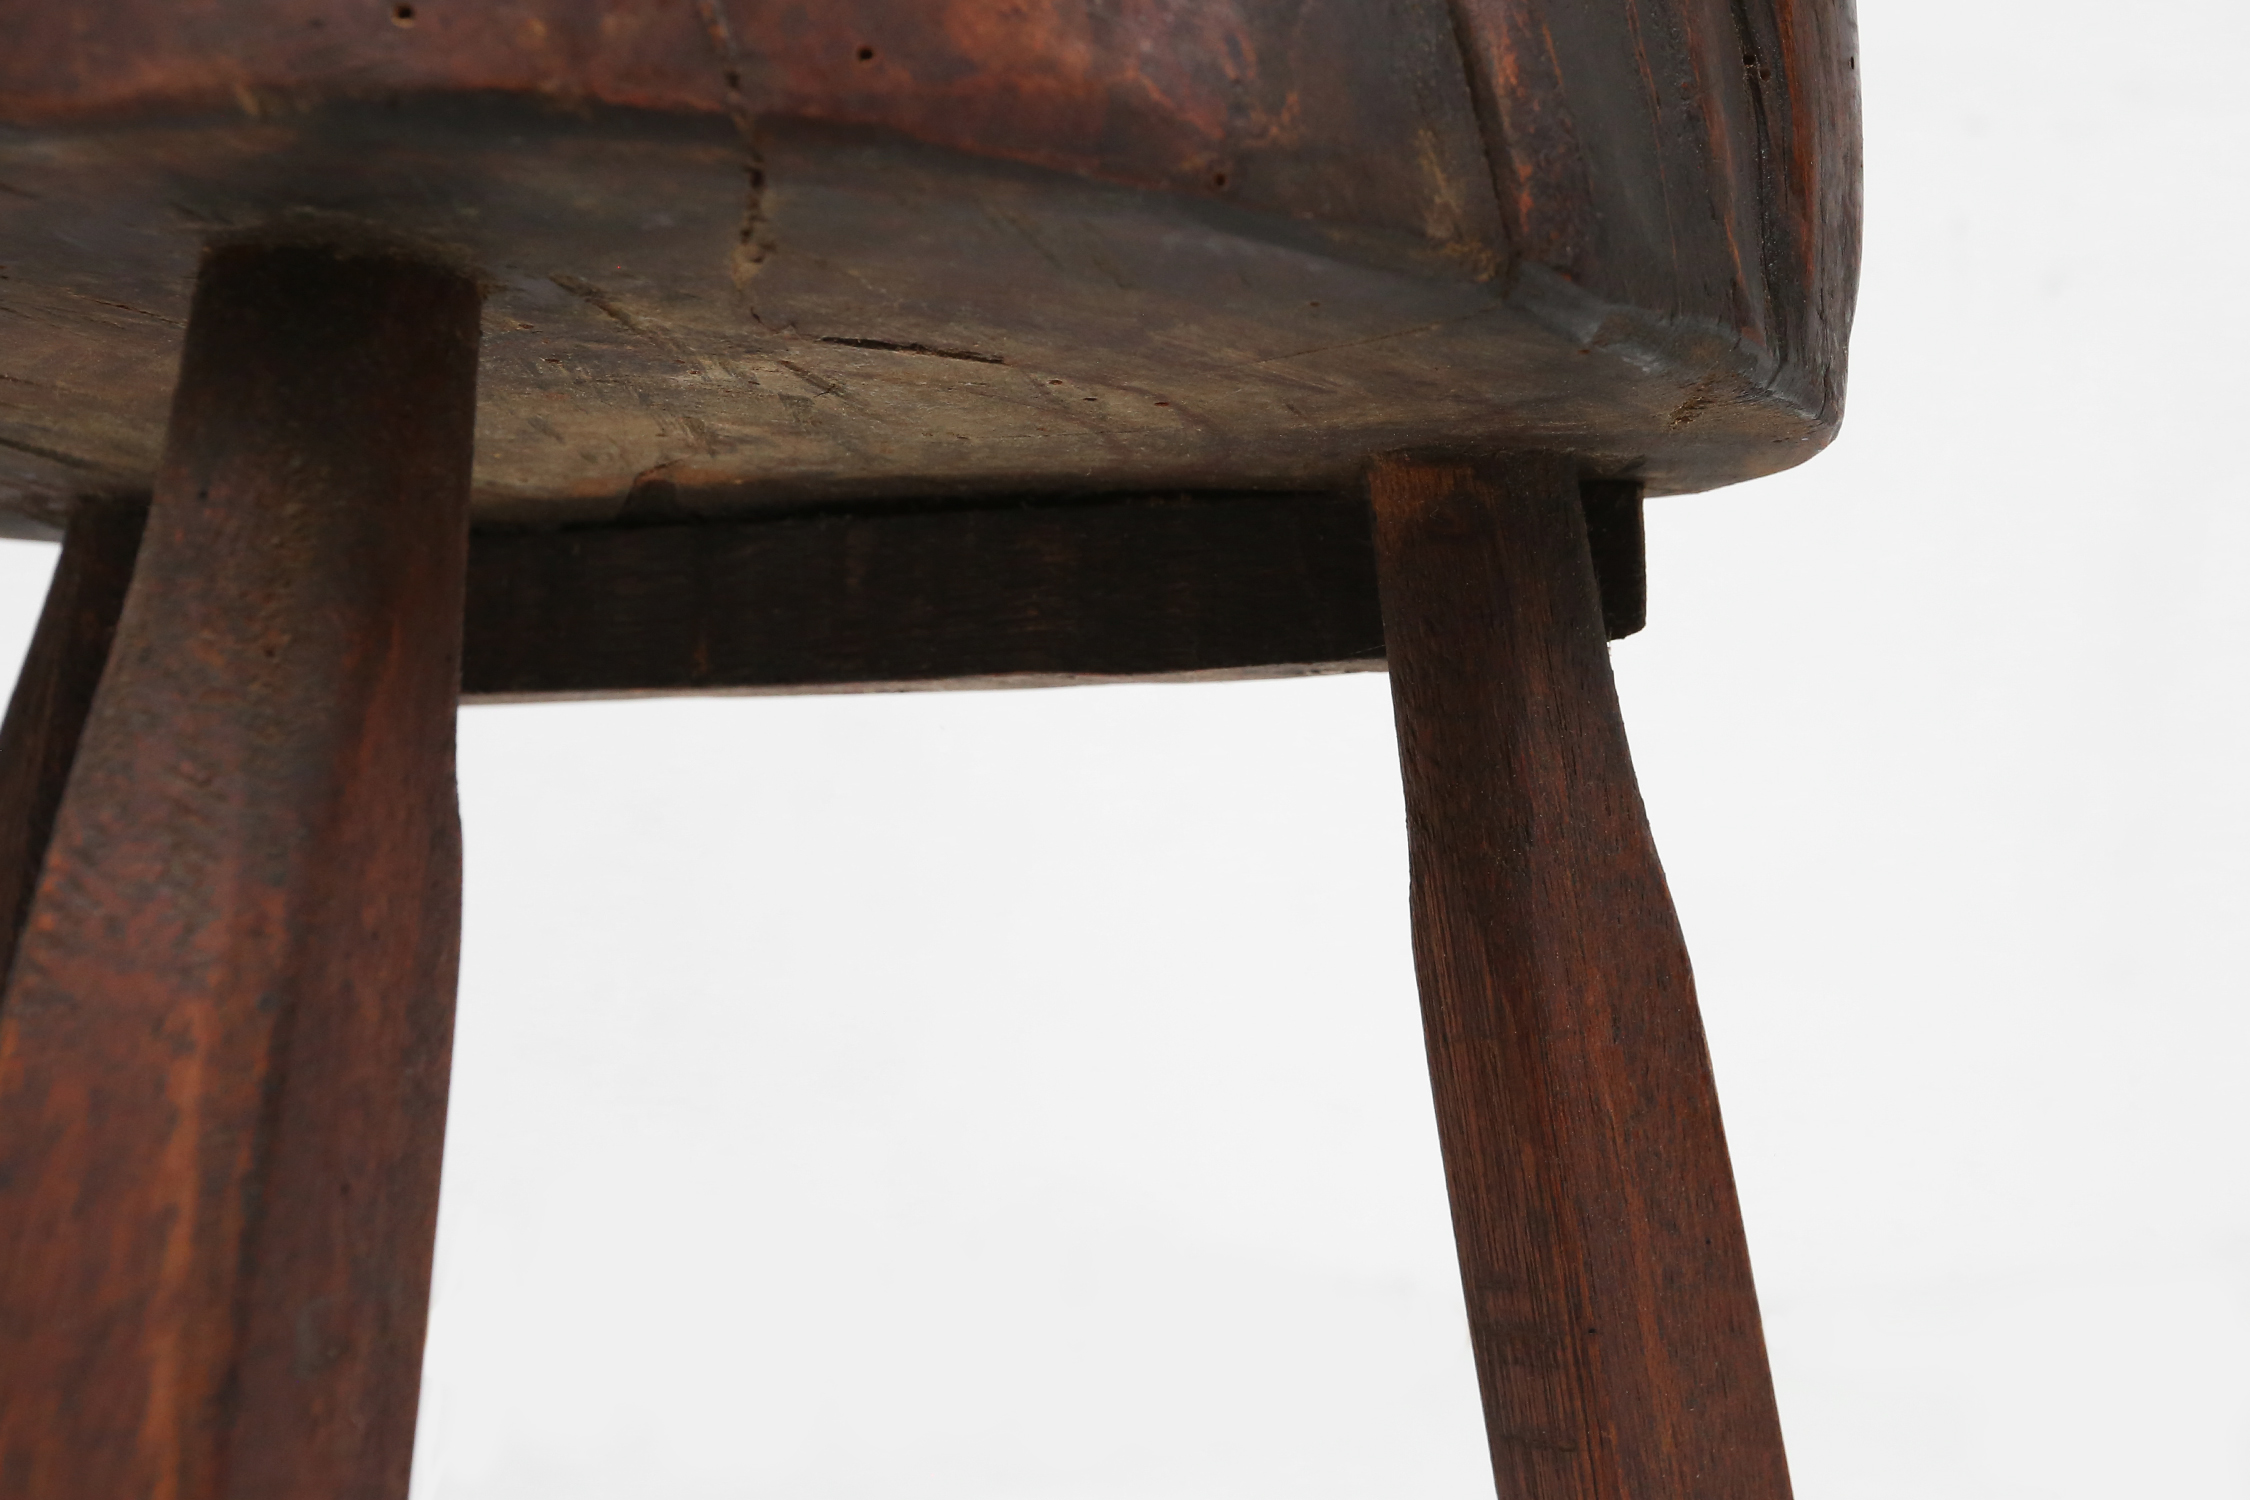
(733,262)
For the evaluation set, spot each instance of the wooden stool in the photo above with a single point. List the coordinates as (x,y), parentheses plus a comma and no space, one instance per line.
(766,346)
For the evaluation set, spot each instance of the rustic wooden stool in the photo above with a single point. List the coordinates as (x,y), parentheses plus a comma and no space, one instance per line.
(767,346)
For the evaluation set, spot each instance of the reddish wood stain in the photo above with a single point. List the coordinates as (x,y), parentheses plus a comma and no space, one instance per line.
(223,1050)
(1610,1301)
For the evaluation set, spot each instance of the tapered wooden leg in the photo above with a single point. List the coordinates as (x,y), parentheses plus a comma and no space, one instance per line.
(1610,1303)
(224,1045)
(39,739)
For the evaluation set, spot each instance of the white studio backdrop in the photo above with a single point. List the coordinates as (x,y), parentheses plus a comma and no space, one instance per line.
(1019,1096)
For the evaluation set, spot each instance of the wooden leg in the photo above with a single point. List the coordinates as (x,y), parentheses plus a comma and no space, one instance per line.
(224,1044)
(39,740)
(1610,1303)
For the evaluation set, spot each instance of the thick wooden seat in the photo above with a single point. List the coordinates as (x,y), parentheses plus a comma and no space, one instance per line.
(374,357)
(749,254)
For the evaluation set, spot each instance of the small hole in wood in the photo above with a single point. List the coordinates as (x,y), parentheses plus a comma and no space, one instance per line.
(402,15)
(866,54)
(1218,179)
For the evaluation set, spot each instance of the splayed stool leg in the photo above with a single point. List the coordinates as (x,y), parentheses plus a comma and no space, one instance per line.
(225,1038)
(1610,1303)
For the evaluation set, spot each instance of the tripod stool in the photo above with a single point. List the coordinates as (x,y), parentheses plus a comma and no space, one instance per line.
(374,357)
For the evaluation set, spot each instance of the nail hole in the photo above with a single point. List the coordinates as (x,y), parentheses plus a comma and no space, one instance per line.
(1163,403)
(866,54)
(1218,179)
(402,15)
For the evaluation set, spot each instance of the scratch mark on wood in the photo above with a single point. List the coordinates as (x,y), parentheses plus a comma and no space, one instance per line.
(594,297)
(894,348)
(122,307)
(820,383)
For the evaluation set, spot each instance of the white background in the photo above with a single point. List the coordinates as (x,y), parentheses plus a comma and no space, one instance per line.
(1019,1096)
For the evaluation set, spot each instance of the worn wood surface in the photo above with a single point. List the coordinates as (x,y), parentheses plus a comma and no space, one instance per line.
(54,690)
(1238,100)
(1145,588)
(764,252)
(1695,164)
(224,1046)
(1610,1301)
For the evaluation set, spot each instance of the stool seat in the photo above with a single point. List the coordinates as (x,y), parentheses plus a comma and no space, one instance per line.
(756,253)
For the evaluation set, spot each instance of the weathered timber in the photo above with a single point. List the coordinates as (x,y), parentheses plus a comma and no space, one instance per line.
(1158,587)
(54,690)
(224,1046)
(1610,1301)
(771,253)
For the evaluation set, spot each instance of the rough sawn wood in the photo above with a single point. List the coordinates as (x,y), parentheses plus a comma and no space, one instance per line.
(1610,1302)
(224,1043)
(756,253)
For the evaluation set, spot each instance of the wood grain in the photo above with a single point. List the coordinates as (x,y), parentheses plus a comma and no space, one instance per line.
(1610,1300)
(778,253)
(1693,164)
(224,1048)
(1279,106)
(1126,588)
(54,691)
